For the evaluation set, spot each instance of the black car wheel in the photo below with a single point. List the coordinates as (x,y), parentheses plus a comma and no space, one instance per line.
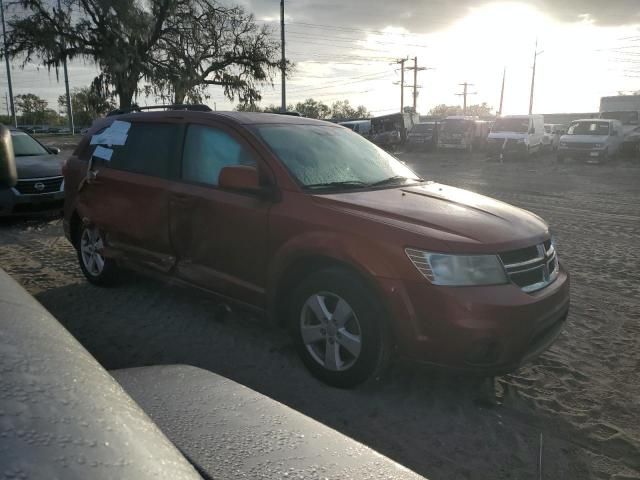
(339,328)
(98,269)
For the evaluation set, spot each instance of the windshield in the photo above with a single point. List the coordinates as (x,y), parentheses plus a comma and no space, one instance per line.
(589,128)
(515,125)
(422,128)
(25,146)
(454,125)
(325,155)
(626,118)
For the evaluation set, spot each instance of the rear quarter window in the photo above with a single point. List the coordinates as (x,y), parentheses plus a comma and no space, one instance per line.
(150,149)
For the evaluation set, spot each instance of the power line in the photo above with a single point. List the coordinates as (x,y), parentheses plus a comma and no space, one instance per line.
(351,48)
(348,29)
(354,39)
(340,84)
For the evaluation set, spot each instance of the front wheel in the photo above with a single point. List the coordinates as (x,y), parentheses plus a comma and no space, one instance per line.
(339,328)
(98,269)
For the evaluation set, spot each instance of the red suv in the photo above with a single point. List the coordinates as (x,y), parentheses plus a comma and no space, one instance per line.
(321,230)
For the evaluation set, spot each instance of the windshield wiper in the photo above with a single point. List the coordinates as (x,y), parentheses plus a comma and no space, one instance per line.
(392,181)
(340,184)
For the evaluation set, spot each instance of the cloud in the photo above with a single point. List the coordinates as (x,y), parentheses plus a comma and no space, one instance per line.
(424,16)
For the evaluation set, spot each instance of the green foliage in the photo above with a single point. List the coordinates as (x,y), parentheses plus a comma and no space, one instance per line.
(206,43)
(179,46)
(312,109)
(32,108)
(340,110)
(87,104)
(118,35)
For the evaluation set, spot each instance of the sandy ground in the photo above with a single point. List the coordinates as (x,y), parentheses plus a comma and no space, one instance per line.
(581,398)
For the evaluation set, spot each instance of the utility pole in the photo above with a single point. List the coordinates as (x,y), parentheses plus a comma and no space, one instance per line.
(533,76)
(464,94)
(66,85)
(6,103)
(504,74)
(283,105)
(401,62)
(415,83)
(6,59)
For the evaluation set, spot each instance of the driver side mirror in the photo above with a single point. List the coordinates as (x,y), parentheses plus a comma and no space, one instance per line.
(239,177)
(8,172)
(54,150)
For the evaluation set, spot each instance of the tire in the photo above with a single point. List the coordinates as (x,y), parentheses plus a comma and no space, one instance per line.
(96,268)
(339,328)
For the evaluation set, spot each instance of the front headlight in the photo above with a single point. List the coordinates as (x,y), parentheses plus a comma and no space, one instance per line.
(563,144)
(458,270)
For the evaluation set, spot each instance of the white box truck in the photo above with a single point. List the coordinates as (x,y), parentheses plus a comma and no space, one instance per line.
(625,108)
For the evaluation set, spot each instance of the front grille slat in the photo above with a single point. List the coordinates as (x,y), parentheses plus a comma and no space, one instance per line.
(531,268)
(48,185)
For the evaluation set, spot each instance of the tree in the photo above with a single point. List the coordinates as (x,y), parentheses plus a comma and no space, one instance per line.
(32,107)
(481,110)
(87,104)
(205,44)
(120,36)
(342,110)
(443,110)
(312,109)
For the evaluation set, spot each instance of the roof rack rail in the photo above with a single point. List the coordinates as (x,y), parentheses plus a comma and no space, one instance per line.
(198,107)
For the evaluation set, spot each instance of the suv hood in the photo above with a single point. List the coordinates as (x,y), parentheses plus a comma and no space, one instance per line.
(39,166)
(448,218)
(584,138)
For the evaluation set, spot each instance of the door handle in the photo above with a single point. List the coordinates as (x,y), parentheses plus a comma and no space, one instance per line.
(182,199)
(92,175)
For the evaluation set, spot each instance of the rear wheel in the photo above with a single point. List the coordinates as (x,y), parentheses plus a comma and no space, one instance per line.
(98,269)
(339,328)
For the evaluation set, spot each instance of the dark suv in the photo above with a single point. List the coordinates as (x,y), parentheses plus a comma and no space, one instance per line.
(321,230)
(40,184)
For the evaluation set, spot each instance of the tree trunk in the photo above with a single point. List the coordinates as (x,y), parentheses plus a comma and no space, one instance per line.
(126,88)
(178,95)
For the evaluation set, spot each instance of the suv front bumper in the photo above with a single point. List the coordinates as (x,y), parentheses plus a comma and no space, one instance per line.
(582,153)
(14,203)
(488,329)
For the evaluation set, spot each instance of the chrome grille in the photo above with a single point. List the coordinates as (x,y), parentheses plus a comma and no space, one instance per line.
(532,268)
(36,186)
(581,146)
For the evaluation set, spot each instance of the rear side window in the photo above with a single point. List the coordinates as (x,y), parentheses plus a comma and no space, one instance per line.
(150,149)
(207,151)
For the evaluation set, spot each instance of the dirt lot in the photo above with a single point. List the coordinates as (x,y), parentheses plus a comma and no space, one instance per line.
(582,397)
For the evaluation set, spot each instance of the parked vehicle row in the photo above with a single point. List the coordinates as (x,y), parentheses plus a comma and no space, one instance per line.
(463,133)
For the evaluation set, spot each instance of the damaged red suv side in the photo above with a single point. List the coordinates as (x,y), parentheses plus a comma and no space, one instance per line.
(322,230)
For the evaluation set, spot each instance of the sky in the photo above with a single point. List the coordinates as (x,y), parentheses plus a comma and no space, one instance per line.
(350,49)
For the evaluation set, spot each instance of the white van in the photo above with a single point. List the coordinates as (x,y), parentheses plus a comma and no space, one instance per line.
(517,134)
(592,139)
